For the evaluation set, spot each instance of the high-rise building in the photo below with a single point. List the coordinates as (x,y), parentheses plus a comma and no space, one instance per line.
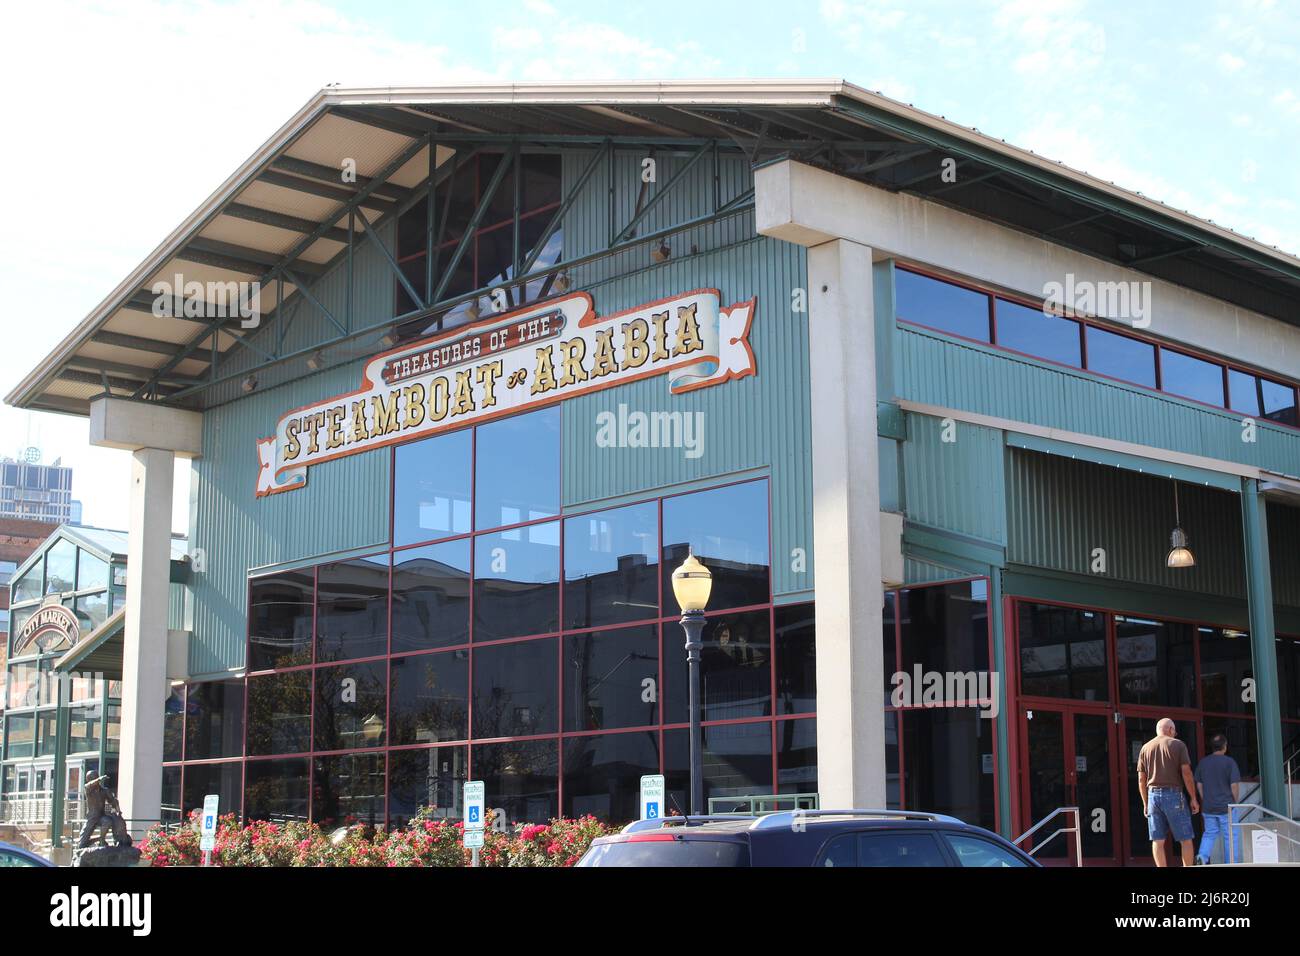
(37,492)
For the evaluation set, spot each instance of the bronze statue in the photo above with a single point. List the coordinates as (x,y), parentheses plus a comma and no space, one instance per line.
(102,810)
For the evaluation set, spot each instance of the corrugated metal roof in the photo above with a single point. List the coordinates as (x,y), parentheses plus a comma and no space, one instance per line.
(291,189)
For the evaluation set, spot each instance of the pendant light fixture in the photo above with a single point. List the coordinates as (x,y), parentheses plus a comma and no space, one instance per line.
(1180,555)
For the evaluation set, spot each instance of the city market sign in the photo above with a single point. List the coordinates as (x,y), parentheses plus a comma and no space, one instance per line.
(53,625)
(508,363)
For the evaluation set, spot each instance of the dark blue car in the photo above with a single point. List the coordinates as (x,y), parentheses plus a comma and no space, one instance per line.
(11,855)
(831,838)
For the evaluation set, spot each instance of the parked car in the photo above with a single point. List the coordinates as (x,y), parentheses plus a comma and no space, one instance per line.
(834,838)
(11,855)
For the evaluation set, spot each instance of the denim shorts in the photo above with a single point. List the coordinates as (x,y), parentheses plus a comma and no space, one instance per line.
(1167,810)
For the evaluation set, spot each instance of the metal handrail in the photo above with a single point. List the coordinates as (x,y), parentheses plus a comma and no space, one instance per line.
(1233,823)
(1076,830)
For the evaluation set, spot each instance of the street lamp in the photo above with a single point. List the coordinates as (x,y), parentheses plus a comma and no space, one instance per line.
(691,584)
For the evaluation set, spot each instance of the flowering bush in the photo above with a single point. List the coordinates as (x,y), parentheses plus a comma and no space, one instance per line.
(427,840)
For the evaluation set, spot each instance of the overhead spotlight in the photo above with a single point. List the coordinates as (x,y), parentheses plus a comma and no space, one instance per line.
(562,282)
(388,339)
(249,383)
(317,361)
(472,312)
(1180,555)
(662,253)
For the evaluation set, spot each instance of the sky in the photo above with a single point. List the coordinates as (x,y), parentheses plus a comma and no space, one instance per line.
(122,117)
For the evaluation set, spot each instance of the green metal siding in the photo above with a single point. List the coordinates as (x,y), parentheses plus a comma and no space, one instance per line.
(938,370)
(763,421)
(303,325)
(1060,510)
(958,485)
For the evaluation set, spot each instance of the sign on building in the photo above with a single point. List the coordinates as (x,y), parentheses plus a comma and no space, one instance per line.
(507,363)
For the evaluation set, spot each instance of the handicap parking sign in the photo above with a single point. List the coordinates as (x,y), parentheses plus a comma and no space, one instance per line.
(652,796)
(473,814)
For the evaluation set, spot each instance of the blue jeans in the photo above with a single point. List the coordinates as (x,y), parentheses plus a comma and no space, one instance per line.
(1167,810)
(1216,826)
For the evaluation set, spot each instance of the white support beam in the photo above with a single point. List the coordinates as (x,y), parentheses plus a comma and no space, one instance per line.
(132,425)
(144,639)
(846,527)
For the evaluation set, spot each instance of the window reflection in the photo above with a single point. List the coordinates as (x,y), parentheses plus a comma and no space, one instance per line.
(515,689)
(611,569)
(737,762)
(521,778)
(276,790)
(1191,377)
(735,669)
(1226,670)
(941,305)
(279,713)
(796,756)
(796,658)
(226,780)
(945,628)
(1062,652)
(280,610)
(602,773)
(430,698)
(517,469)
(516,582)
(727,529)
(611,678)
(1035,333)
(351,706)
(1122,357)
(214,721)
(431,588)
(352,609)
(348,789)
(431,488)
(1155,661)
(429,778)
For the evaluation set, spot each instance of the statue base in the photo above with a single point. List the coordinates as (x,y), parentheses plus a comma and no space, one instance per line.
(106,856)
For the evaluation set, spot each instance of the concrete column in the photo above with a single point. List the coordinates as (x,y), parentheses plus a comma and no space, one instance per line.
(1263,648)
(846,527)
(144,640)
(155,436)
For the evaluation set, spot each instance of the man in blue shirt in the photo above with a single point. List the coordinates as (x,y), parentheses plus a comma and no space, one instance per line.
(1218,782)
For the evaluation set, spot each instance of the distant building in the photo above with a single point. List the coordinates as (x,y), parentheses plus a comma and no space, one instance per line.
(37,492)
(18,539)
(62,720)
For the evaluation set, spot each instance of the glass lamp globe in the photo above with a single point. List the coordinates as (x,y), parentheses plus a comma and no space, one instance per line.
(692,583)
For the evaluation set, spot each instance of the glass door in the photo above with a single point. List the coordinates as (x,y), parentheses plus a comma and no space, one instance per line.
(1069,761)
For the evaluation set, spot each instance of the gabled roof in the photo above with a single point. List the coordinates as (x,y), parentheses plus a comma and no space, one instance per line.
(104,543)
(285,212)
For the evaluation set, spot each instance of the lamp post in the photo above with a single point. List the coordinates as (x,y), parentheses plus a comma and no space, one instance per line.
(691,584)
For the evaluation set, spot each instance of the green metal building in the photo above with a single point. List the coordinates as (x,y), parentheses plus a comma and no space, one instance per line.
(925,403)
(61,723)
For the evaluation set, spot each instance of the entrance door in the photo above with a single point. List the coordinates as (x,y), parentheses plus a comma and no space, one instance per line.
(1136,730)
(1069,756)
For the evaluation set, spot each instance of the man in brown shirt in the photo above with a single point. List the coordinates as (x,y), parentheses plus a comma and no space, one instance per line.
(1164,769)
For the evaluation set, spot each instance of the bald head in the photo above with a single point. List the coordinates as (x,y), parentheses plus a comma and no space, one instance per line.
(1166,728)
